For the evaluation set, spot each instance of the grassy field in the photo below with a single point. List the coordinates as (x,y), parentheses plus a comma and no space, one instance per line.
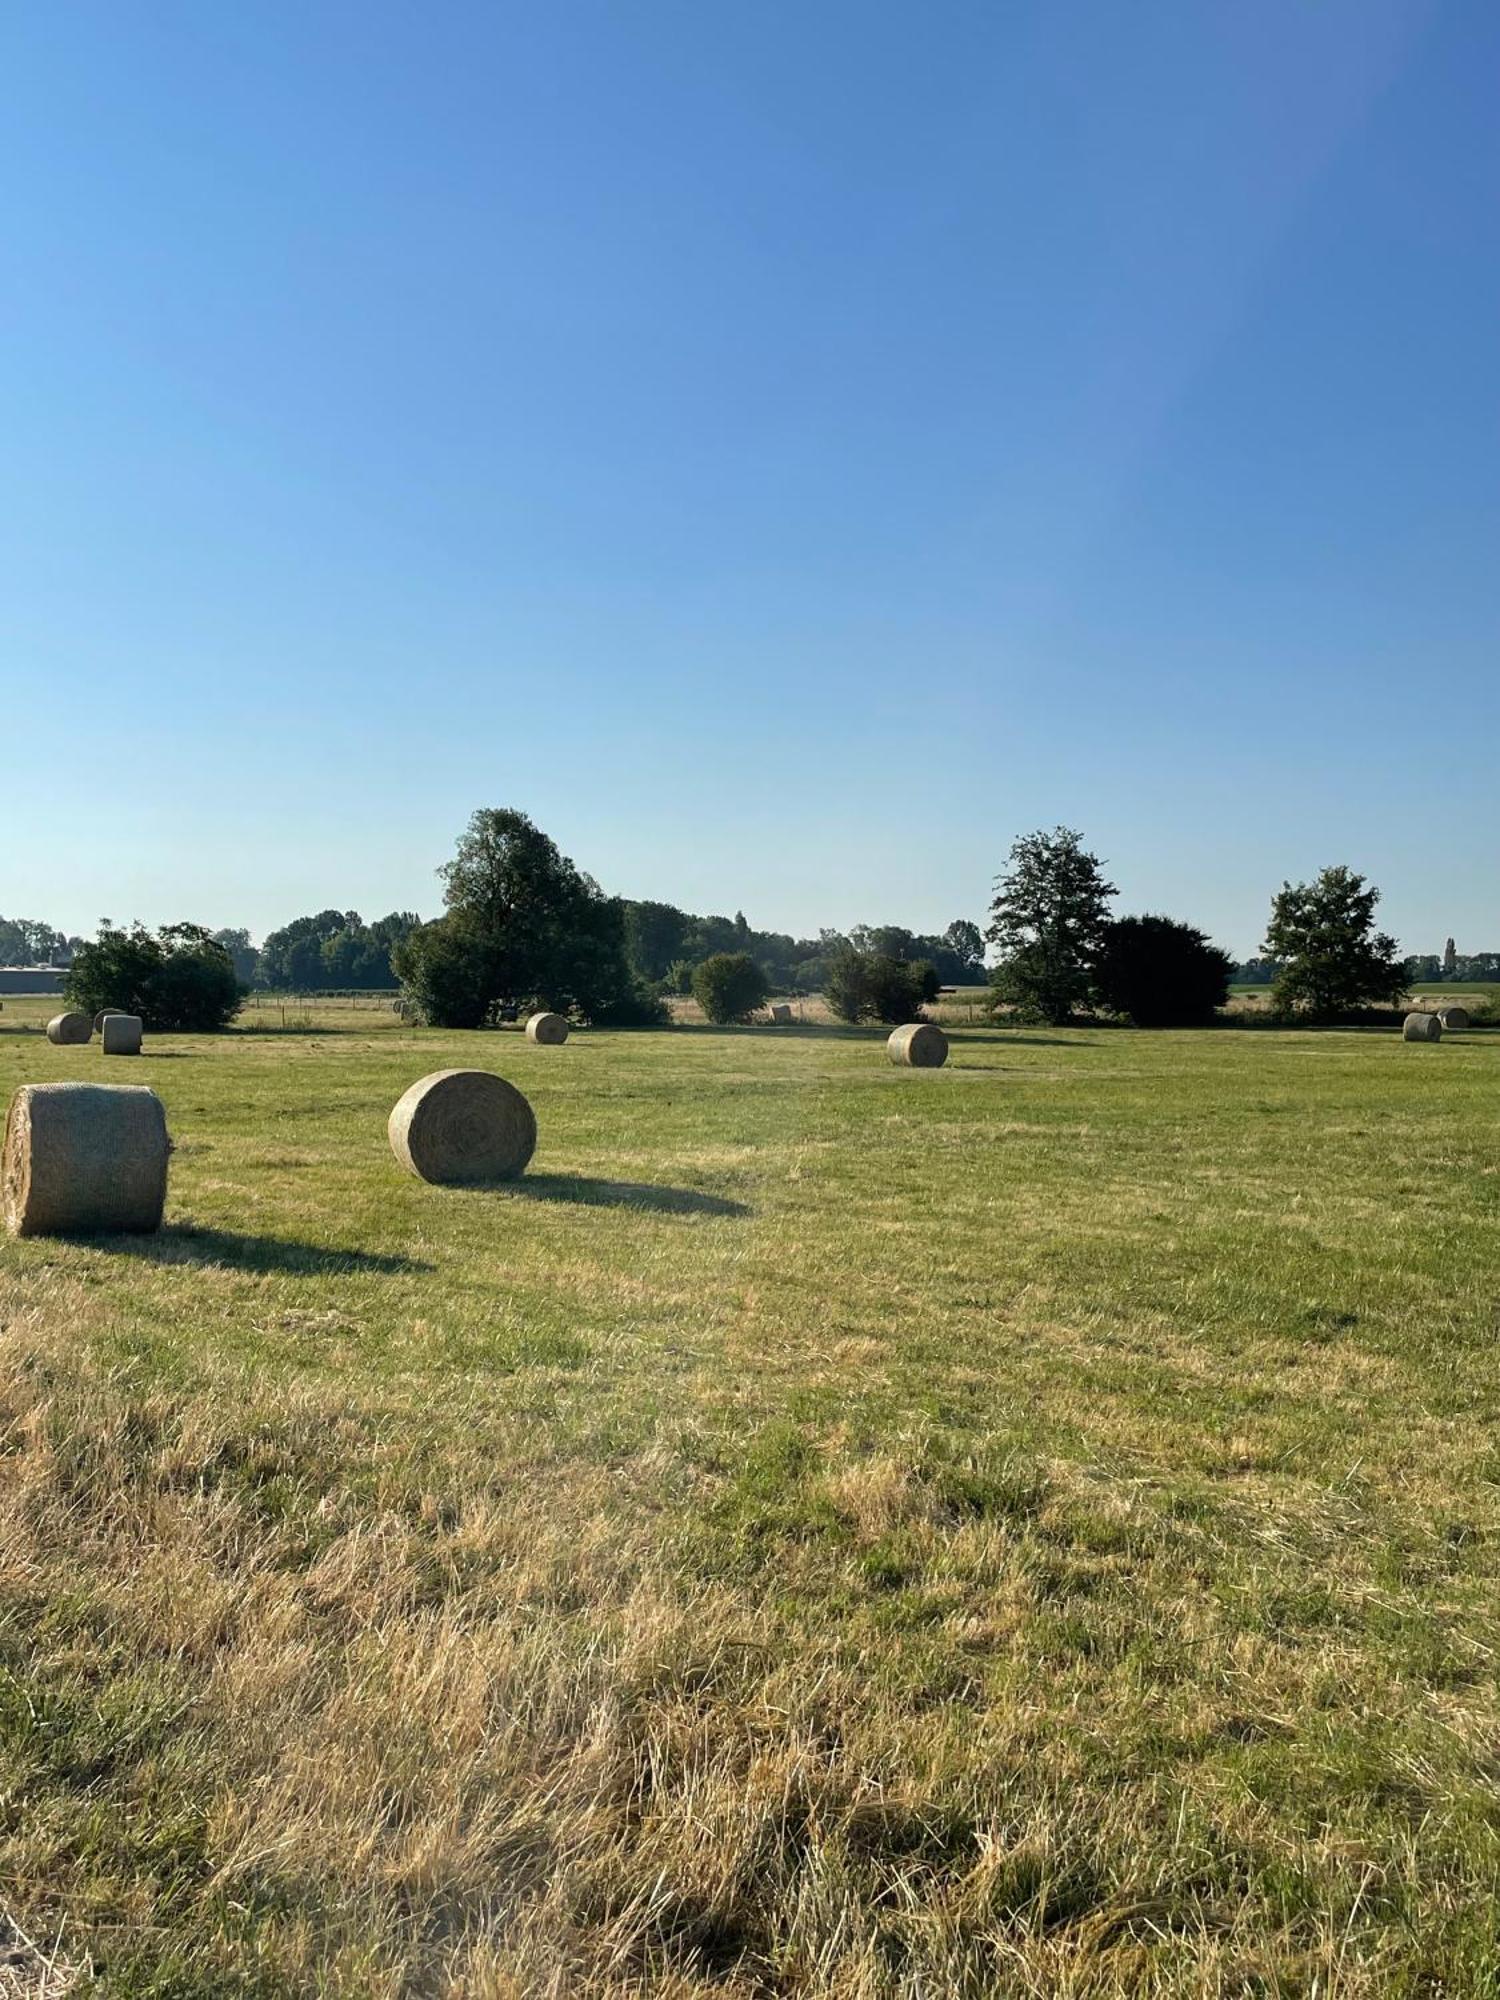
(1026,1528)
(1480,997)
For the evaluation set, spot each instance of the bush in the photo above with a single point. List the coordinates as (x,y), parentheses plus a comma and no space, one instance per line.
(729,986)
(1161,974)
(928,982)
(637,1005)
(1035,984)
(448,975)
(869,986)
(898,989)
(846,985)
(180,979)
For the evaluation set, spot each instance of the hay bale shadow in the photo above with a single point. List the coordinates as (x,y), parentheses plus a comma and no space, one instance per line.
(588,1192)
(230,1249)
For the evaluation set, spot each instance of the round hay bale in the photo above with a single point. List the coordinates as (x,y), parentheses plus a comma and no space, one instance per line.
(69,1030)
(1454,1019)
(121,1034)
(103,1015)
(1422,1028)
(549,1029)
(781,1013)
(463,1125)
(83,1159)
(919,1045)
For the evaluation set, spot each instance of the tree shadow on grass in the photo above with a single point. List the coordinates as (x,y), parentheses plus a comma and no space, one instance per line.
(1015,1039)
(873,1035)
(273,1031)
(591,1193)
(992,1069)
(228,1249)
(779,1031)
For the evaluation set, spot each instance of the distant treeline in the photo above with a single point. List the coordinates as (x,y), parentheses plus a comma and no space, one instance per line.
(1430,970)
(338,950)
(335,948)
(665,943)
(1425,969)
(27,941)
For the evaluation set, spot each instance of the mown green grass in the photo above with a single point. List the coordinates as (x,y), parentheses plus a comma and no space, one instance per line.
(1028,1527)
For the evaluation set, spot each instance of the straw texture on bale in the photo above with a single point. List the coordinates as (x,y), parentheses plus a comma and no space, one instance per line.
(69,1029)
(549,1029)
(781,1013)
(919,1045)
(84,1159)
(121,1034)
(1454,1019)
(463,1125)
(103,1015)
(1422,1028)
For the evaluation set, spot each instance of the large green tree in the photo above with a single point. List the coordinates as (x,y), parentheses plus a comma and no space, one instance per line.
(1333,960)
(1047,922)
(524,928)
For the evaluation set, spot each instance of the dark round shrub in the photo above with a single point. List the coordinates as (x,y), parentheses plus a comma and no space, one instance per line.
(869,986)
(179,980)
(447,973)
(1161,974)
(637,1004)
(929,983)
(846,985)
(898,989)
(729,986)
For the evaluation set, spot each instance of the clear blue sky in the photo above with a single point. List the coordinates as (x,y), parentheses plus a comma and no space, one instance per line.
(788,450)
